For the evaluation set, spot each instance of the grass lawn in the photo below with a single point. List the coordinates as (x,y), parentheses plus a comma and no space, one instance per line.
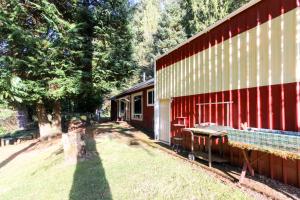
(123,169)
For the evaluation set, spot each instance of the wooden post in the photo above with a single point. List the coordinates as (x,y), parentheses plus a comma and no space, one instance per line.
(246,165)
(209,151)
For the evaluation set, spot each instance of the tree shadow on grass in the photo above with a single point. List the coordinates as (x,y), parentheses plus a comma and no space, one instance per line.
(89,180)
(13,156)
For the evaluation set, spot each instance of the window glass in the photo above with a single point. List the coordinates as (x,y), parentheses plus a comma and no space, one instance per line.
(138,104)
(122,109)
(150,97)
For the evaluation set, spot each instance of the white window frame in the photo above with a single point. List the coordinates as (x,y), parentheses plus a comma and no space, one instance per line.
(150,90)
(134,116)
(120,113)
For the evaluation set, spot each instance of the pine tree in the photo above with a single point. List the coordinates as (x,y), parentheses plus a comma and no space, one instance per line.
(144,25)
(36,68)
(49,55)
(170,32)
(199,14)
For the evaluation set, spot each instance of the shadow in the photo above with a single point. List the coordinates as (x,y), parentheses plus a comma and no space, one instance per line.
(89,180)
(13,156)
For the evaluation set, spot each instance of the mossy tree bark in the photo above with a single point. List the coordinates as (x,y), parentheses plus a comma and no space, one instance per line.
(56,120)
(45,127)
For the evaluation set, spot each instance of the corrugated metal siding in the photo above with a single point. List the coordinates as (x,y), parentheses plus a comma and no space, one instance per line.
(252,59)
(264,55)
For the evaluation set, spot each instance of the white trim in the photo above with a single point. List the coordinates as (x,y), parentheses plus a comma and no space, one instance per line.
(169,123)
(156,108)
(150,90)
(241,9)
(126,100)
(132,106)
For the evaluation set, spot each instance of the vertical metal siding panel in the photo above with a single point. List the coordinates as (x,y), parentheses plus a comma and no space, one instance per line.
(197,74)
(276,50)
(223,79)
(168,84)
(234,63)
(290,106)
(258,66)
(290,172)
(298,172)
(253,58)
(194,72)
(190,75)
(157,85)
(289,39)
(226,66)
(173,80)
(297,72)
(263,54)
(163,83)
(178,77)
(202,72)
(213,69)
(181,76)
(243,61)
(169,81)
(219,68)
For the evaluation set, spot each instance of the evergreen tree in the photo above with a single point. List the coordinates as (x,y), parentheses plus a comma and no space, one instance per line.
(144,24)
(49,54)
(199,14)
(35,65)
(170,32)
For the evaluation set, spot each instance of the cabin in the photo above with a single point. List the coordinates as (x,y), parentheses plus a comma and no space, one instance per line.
(136,106)
(244,69)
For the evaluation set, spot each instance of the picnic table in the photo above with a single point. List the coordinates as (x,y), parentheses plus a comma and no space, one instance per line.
(209,133)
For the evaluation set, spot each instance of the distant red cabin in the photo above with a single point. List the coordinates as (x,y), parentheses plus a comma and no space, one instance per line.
(136,106)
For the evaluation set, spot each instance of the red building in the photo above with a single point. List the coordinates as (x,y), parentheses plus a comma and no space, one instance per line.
(251,61)
(136,106)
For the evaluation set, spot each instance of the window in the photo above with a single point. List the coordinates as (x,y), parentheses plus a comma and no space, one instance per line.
(150,97)
(122,107)
(137,106)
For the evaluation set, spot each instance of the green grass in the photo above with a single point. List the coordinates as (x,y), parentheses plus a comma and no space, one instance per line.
(121,171)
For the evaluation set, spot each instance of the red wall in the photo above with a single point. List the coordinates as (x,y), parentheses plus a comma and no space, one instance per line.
(147,124)
(275,107)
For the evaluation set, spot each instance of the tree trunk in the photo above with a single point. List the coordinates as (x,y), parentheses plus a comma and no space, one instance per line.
(73,142)
(44,124)
(56,122)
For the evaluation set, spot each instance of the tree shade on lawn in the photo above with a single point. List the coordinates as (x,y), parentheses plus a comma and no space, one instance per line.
(123,168)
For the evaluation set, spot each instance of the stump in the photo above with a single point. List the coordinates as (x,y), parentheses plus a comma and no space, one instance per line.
(73,142)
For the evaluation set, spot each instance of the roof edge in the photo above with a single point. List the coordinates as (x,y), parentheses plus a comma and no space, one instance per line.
(136,87)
